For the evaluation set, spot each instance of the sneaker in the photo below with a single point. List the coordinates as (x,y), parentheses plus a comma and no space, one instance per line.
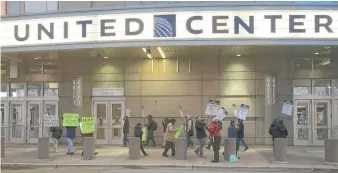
(146,154)
(165,155)
(96,153)
(72,153)
(197,154)
(68,153)
(246,149)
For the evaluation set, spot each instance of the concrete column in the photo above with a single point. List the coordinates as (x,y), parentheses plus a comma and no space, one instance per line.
(229,148)
(134,148)
(267,122)
(331,150)
(2,146)
(181,148)
(43,148)
(88,148)
(280,145)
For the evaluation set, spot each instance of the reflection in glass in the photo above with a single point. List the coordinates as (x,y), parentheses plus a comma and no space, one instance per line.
(2,114)
(321,113)
(101,115)
(17,124)
(116,120)
(322,87)
(51,89)
(302,64)
(321,63)
(17,90)
(301,91)
(303,134)
(34,89)
(322,134)
(4,90)
(302,113)
(34,119)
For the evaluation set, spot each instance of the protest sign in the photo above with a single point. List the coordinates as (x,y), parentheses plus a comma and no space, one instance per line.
(212,107)
(243,111)
(87,125)
(179,131)
(221,113)
(50,121)
(144,134)
(287,109)
(70,120)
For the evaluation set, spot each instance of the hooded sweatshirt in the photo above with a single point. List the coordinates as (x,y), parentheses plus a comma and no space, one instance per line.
(277,129)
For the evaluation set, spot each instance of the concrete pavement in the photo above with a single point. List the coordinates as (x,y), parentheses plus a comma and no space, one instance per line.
(310,158)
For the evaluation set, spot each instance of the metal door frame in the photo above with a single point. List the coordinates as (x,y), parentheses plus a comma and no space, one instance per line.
(111,139)
(314,119)
(23,136)
(40,103)
(296,127)
(105,140)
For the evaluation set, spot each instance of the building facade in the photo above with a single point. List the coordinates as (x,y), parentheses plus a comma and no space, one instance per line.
(115,59)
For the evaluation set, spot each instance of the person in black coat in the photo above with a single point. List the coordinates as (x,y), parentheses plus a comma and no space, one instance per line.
(240,135)
(277,130)
(201,135)
(125,131)
(56,136)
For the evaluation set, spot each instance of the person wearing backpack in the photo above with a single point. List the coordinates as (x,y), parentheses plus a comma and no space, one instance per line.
(152,126)
(277,130)
(138,133)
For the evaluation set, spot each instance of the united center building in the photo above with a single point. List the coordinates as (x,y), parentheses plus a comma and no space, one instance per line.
(116,59)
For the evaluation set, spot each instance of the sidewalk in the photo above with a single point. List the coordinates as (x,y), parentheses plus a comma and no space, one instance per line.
(25,156)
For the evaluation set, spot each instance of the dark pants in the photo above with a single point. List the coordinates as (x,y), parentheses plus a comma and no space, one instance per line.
(190,142)
(169,145)
(142,148)
(125,139)
(210,142)
(150,137)
(216,147)
(238,142)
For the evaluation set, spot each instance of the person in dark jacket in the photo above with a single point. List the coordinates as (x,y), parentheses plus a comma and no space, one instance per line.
(201,135)
(240,135)
(138,133)
(125,131)
(277,130)
(189,128)
(56,136)
(165,123)
(152,126)
(70,136)
(215,130)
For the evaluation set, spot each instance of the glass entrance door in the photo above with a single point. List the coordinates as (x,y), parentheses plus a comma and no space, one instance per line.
(334,120)
(302,122)
(17,122)
(322,121)
(4,120)
(34,121)
(109,117)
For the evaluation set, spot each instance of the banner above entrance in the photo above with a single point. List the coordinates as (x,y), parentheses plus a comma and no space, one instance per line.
(191,25)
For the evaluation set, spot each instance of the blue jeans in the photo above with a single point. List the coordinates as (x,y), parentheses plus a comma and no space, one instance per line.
(238,142)
(70,145)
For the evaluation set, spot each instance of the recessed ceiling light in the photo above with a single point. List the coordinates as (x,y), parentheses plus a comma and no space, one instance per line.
(238,55)
(316,53)
(105,57)
(161,52)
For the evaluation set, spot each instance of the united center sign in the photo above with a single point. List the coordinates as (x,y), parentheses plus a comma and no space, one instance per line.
(192,25)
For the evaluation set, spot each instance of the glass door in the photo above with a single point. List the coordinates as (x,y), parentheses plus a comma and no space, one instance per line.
(101,110)
(4,120)
(334,120)
(17,122)
(321,121)
(302,122)
(34,119)
(116,122)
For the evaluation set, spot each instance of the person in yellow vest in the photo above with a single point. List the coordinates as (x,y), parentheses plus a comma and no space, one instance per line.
(86,135)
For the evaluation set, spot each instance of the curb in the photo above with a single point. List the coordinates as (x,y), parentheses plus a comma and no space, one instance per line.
(18,166)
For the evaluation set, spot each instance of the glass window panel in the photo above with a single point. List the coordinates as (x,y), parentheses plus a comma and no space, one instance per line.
(17,120)
(302,87)
(34,89)
(116,120)
(14,7)
(50,66)
(2,114)
(4,67)
(35,6)
(335,87)
(302,64)
(4,90)
(302,113)
(17,90)
(322,87)
(35,65)
(51,89)
(322,63)
(101,115)
(52,5)
(34,120)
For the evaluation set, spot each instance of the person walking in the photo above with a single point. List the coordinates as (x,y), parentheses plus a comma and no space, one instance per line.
(277,130)
(190,131)
(165,123)
(240,136)
(169,136)
(125,131)
(56,136)
(201,135)
(215,130)
(70,136)
(152,126)
(138,133)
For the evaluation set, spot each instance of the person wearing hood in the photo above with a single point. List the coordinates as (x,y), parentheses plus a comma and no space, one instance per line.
(138,133)
(56,136)
(215,131)
(190,131)
(201,135)
(152,126)
(277,130)
(125,131)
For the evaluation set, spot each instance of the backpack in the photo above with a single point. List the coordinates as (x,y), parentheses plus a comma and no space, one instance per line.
(138,131)
(154,125)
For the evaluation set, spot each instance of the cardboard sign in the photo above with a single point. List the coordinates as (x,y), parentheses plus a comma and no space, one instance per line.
(243,111)
(50,121)
(179,131)
(221,113)
(287,109)
(87,125)
(70,120)
(212,107)
(144,134)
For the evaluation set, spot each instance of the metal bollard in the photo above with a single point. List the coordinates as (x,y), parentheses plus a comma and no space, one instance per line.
(2,146)
(181,148)
(43,148)
(229,148)
(280,146)
(331,150)
(134,148)
(88,148)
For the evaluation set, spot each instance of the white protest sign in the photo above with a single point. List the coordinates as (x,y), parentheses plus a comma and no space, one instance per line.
(221,113)
(212,107)
(243,111)
(50,120)
(287,109)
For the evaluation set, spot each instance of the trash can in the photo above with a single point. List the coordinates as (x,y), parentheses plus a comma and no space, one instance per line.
(331,150)
(280,146)
(181,148)
(134,148)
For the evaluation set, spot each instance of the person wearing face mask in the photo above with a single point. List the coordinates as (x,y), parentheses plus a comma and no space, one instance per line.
(215,130)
